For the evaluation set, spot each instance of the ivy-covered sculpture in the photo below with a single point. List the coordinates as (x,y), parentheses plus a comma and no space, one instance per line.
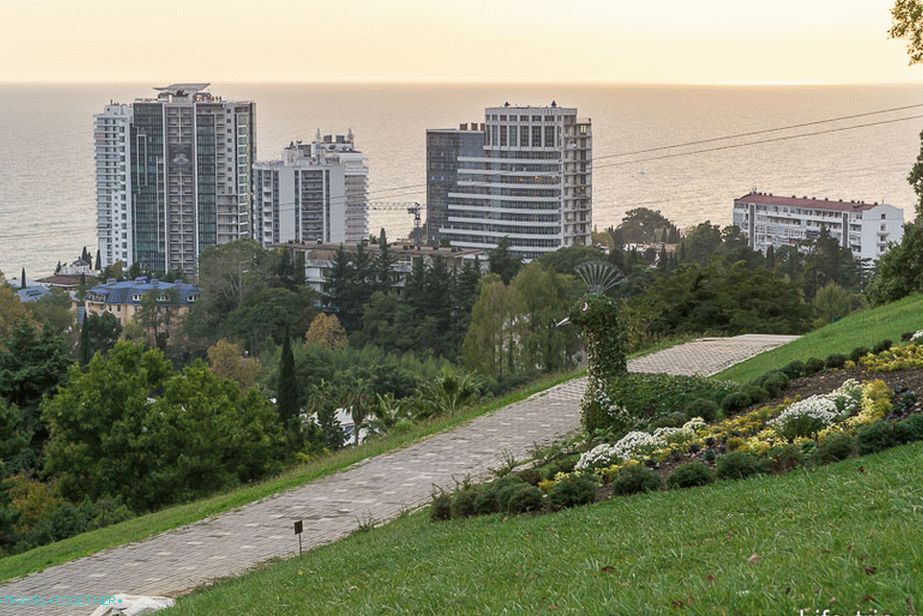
(597,316)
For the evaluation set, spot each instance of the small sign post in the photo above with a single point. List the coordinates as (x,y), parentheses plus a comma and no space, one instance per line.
(299,528)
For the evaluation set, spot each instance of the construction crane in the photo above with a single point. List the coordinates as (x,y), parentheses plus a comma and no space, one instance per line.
(412,207)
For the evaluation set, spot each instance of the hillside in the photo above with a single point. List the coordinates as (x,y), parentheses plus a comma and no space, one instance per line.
(862,329)
(844,535)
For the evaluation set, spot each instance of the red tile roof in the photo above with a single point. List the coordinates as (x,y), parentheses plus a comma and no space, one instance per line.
(805,202)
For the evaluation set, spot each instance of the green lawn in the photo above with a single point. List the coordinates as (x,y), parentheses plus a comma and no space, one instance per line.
(865,328)
(173,517)
(846,536)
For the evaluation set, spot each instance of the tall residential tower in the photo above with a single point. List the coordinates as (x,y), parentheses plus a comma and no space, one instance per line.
(173,177)
(317,192)
(531,183)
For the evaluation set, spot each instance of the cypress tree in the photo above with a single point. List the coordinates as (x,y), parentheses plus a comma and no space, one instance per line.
(287,395)
(22,279)
(99,260)
(84,352)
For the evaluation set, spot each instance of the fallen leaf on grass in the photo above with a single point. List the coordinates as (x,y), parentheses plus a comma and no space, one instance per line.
(755,558)
(710,579)
(607,569)
(871,570)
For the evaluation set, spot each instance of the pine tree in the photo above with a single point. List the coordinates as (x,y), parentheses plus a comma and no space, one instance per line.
(287,395)
(57,270)
(383,275)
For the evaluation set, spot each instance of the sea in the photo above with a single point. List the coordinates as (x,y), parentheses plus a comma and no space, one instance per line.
(47,203)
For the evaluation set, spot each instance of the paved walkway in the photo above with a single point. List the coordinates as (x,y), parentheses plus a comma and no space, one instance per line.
(380,488)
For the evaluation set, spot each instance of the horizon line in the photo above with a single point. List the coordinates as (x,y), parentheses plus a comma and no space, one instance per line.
(400,82)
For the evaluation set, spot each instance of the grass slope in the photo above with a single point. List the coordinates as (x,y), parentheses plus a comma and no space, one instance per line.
(151,524)
(865,328)
(846,536)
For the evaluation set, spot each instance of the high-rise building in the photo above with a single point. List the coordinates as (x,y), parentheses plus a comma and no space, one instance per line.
(173,177)
(444,147)
(317,192)
(867,229)
(530,183)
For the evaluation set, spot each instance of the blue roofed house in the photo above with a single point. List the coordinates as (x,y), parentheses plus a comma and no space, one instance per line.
(123,298)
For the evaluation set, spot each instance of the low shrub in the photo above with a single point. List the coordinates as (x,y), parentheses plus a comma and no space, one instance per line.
(525,499)
(813,366)
(441,507)
(775,383)
(835,447)
(757,394)
(737,465)
(485,502)
(634,478)
(794,369)
(912,428)
(573,490)
(564,464)
(882,346)
(530,475)
(785,458)
(837,360)
(673,420)
(464,501)
(857,353)
(700,407)
(879,436)
(690,475)
(735,402)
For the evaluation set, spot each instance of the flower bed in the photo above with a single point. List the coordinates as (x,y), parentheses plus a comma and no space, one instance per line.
(855,418)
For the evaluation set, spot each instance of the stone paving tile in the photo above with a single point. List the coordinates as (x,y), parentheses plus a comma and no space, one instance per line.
(228,544)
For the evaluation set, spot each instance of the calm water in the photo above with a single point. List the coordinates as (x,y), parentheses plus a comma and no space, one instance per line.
(47,207)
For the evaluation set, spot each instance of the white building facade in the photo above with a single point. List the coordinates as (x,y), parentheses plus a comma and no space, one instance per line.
(865,228)
(317,192)
(531,184)
(173,177)
(112,139)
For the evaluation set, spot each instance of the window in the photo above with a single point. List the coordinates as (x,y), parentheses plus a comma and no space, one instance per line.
(882,216)
(524,136)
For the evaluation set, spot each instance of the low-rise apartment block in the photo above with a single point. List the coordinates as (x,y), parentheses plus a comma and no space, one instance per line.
(865,228)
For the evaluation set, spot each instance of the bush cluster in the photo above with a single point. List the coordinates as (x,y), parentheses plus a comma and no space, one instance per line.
(633,479)
(652,397)
(508,494)
(738,465)
(835,447)
(690,475)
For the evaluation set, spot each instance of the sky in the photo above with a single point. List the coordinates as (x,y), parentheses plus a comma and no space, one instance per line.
(614,41)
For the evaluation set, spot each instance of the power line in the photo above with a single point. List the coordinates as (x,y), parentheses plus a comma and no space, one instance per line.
(758,142)
(758,132)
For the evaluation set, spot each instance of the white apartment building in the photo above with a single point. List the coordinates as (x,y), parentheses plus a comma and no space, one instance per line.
(112,137)
(173,177)
(316,192)
(531,184)
(865,228)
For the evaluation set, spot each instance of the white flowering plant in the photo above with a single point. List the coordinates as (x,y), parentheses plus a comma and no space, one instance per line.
(806,417)
(600,456)
(917,337)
